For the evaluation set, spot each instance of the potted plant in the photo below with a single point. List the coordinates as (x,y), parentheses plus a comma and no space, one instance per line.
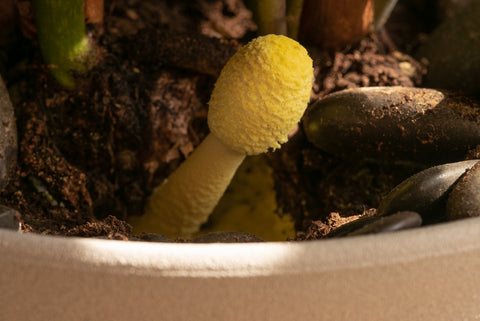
(423,273)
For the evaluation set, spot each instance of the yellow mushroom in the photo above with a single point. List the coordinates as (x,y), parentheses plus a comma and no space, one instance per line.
(260,95)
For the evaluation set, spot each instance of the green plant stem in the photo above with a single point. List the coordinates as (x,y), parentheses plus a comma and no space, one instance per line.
(294,12)
(62,38)
(269,16)
(383,9)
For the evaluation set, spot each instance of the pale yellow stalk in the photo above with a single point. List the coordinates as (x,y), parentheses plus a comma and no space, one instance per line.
(194,188)
(258,98)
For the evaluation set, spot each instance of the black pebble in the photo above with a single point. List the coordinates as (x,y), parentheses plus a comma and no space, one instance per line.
(372,225)
(419,125)
(464,199)
(227,237)
(425,192)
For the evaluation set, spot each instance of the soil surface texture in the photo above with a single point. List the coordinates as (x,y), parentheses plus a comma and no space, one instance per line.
(88,158)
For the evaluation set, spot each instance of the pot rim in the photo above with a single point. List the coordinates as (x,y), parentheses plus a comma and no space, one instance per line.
(240,259)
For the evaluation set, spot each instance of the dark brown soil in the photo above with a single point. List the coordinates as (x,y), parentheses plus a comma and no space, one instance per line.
(88,158)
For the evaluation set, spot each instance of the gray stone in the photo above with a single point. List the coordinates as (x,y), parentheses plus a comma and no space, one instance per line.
(464,199)
(9,218)
(8,136)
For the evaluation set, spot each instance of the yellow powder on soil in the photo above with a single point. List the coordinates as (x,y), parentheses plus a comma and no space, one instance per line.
(249,204)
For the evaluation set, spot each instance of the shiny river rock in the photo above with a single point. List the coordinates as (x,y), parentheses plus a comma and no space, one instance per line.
(427,192)
(464,199)
(378,224)
(395,123)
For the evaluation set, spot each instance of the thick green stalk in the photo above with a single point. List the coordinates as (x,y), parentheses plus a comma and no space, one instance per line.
(62,38)
(269,15)
(294,12)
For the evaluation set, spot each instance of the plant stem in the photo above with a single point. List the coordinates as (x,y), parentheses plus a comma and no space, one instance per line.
(294,12)
(333,24)
(62,38)
(184,201)
(383,9)
(269,16)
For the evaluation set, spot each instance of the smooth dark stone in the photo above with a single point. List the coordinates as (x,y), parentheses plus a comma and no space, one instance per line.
(8,136)
(349,227)
(395,222)
(452,51)
(9,218)
(395,123)
(377,224)
(425,192)
(227,237)
(464,199)
(151,237)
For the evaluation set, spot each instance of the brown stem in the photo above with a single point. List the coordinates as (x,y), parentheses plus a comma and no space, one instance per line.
(94,11)
(333,24)
(269,16)
(293,14)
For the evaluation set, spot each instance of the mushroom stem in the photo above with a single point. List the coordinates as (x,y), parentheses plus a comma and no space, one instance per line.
(184,201)
(260,95)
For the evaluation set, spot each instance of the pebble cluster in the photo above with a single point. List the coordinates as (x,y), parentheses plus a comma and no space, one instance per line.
(427,193)
(9,218)
(426,126)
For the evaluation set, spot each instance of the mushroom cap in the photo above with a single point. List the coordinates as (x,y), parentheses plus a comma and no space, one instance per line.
(261,94)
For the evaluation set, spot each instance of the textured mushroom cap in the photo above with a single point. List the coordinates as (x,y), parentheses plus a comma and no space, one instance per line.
(260,95)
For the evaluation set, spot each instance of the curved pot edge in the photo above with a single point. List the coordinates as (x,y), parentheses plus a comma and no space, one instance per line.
(240,259)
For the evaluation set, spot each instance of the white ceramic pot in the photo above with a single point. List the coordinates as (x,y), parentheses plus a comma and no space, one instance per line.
(430,273)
